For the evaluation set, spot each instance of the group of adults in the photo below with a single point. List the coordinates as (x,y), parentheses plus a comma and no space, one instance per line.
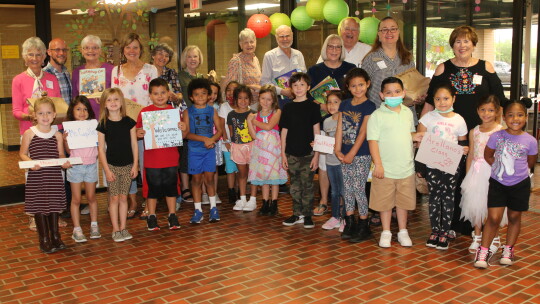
(387,57)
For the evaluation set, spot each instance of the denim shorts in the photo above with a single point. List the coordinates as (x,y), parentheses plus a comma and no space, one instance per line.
(82,173)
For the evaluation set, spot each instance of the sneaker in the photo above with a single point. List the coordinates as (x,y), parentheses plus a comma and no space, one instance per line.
(476,241)
(214,215)
(451,235)
(117,236)
(239,206)
(294,219)
(403,238)
(85,210)
(197,217)
(495,245)
(126,235)
(78,236)
(482,258)
(151,223)
(218,201)
(250,205)
(94,232)
(173,222)
(205,199)
(507,257)
(331,224)
(308,222)
(386,239)
(433,240)
(341,225)
(442,244)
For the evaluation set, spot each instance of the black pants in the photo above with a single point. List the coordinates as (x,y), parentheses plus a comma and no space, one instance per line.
(442,187)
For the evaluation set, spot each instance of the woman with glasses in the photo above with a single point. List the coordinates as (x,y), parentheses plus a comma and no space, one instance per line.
(161,55)
(91,51)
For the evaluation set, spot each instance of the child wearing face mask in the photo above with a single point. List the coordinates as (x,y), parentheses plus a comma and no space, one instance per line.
(390,134)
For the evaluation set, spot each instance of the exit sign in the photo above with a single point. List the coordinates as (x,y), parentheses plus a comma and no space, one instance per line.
(195,4)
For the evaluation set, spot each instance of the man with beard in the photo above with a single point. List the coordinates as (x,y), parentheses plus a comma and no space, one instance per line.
(355,51)
(281,60)
(58,52)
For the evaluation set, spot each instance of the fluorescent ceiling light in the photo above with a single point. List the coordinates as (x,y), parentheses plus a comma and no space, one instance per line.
(192,15)
(251,7)
(70,12)
(434,18)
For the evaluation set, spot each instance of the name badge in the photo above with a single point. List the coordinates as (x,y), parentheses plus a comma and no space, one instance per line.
(381,65)
(477,79)
(49,84)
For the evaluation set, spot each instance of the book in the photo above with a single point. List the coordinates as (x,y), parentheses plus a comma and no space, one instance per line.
(92,82)
(282,81)
(319,91)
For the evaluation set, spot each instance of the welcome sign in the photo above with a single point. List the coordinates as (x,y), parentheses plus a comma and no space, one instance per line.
(161,129)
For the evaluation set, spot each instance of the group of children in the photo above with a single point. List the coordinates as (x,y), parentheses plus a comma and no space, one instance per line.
(260,146)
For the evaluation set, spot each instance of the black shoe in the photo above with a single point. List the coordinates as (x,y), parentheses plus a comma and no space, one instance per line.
(232,196)
(442,244)
(308,222)
(362,231)
(151,223)
(433,240)
(65,215)
(173,222)
(273,208)
(294,219)
(265,208)
(283,188)
(347,232)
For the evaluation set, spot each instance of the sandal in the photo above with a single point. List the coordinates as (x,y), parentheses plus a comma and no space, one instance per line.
(131,214)
(476,242)
(144,215)
(375,219)
(62,223)
(188,198)
(320,210)
(495,245)
(32,223)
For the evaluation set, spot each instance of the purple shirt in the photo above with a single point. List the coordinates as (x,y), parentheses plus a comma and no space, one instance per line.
(511,151)
(94,102)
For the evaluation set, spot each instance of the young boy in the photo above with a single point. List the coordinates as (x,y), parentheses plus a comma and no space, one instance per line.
(300,122)
(390,133)
(160,165)
(200,121)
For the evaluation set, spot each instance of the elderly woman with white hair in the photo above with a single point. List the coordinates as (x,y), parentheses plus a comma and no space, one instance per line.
(91,51)
(161,55)
(244,67)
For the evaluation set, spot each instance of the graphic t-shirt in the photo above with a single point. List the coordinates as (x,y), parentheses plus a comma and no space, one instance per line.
(352,118)
(238,121)
(447,128)
(201,122)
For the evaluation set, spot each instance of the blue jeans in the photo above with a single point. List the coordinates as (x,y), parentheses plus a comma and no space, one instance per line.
(336,184)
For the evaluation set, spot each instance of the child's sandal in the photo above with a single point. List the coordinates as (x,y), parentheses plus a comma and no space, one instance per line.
(187,196)
(477,240)
(495,245)
(144,215)
(320,210)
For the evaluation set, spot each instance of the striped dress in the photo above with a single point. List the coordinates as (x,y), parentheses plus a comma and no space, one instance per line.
(45,192)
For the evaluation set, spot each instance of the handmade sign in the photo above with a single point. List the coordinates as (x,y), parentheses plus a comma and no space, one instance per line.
(161,129)
(324,144)
(92,82)
(81,133)
(440,154)
(27,164)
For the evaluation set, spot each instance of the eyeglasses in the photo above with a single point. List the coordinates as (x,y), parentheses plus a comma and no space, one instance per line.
(389,30)
(59,50)
(34,55)
(93,48)
(333,47)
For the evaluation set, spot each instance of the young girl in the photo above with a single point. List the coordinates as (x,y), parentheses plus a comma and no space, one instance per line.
(118,154)
(444,123)
(44,195)
(474,188)
(265,166)
(80,110)
(511,153)
(230,167)
(241,142)
(333,164)
(353,151)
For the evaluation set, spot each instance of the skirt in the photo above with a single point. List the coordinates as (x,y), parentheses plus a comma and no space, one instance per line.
(265,165)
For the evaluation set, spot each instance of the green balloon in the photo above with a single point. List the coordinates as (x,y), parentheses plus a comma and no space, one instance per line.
(314,9)
(300,19)
(335,10)
(279,19)
(369,27)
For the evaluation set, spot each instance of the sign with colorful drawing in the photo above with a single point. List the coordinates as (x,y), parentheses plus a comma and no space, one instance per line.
(161,129)
(440,154)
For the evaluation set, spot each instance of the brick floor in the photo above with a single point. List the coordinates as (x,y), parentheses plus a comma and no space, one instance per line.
(247,258)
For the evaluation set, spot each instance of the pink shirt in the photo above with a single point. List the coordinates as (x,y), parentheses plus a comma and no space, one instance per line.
(88,155)
(21,89)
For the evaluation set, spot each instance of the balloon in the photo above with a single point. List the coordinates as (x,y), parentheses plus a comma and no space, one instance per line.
(279,19)
(369,27)
(300,19)
(314,9)
(335,10)
(343,20)
(260,24)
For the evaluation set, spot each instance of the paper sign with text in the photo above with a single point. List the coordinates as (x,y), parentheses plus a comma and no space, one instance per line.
(324,144)
(49,162)
(161,129)
(440,154)
(81,133)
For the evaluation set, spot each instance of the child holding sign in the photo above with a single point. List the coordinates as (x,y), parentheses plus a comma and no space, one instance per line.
(265,165)
(160,165)
(353,151)
(443,123)
(44,195)
(80,109)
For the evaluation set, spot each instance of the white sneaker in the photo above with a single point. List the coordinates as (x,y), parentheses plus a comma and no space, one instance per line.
(251,204)
(386,239)
(403,238)
(218,201)
(205,199)
(85,210)
(239,205)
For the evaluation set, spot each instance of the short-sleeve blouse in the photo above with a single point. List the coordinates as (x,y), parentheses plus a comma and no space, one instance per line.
(136,90)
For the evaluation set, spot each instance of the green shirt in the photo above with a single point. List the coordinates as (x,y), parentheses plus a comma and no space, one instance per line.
(184,77)
(392,131)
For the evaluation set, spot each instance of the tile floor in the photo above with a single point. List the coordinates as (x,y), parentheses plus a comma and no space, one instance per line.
(247,258)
